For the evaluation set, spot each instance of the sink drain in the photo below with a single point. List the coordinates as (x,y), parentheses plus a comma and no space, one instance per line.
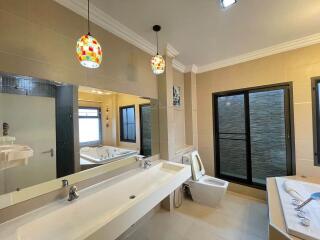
(132,197)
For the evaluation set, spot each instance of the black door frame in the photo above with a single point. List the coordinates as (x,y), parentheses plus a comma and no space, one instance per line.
(289,130)
(141,125)
(122,139)
(316,119)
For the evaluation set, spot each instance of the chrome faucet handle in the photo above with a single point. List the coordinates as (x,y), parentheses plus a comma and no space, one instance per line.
(144,162)
(139,158)
(147,163)
(65,183)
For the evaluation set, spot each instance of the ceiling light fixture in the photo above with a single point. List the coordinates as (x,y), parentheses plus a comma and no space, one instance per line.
(89,51)
(227,3)
(158,64)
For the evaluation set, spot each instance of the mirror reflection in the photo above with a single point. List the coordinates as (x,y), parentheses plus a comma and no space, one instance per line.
(113,125)
(50,130)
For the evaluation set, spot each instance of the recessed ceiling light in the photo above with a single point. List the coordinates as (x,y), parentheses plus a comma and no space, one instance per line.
(227,3)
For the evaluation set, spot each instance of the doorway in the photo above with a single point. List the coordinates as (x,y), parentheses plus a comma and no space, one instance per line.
(253,135)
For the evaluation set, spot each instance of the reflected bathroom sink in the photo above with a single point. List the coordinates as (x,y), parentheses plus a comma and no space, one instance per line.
(14,155)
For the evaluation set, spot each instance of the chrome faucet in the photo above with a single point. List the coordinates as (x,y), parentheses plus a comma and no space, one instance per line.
(73,193)
(146,164)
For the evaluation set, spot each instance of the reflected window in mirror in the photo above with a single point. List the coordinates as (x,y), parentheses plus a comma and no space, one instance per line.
(316,119)
(127,124)
(90,126)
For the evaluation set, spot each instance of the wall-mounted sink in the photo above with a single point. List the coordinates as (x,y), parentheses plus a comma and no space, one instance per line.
(14,155)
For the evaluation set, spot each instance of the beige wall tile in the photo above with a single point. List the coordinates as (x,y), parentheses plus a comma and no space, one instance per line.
(296,66)
(305,167)
(41,43)
(303,121)
(179,112)
(304,149)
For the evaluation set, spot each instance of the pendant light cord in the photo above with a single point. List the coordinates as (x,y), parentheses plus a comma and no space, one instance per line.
(88,18)
(157,44)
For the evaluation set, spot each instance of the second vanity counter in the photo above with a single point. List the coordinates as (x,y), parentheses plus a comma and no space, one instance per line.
(277,226)
(104,210)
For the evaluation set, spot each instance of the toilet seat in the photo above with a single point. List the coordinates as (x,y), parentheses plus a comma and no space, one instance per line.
(207,180)
(205,189)
(197,167)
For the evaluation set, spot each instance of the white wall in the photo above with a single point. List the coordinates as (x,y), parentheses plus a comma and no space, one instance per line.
(32,122)
(179,113)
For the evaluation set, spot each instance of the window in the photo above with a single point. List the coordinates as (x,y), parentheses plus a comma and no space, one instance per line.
(253,135)
(127,124)
(316,119)
(89,126)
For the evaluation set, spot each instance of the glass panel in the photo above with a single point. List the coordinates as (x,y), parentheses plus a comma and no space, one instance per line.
(124,115)
(146,130)
(88,112)
(128,124)
(125,131)
(231,114)
(233,158)
(268,134)
(131,131)
(89,130)
(232,138)
(130,112)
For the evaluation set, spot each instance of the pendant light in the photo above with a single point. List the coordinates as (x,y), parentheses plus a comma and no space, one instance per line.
(89,51)
(158,64)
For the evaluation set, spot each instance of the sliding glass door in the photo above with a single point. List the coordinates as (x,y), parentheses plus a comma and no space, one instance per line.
(232,136)
(252,134)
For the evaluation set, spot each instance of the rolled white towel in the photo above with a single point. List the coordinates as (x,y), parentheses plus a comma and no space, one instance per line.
(289,188)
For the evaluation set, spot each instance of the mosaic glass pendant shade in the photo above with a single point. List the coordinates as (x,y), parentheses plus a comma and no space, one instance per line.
(89,51)
(158,64)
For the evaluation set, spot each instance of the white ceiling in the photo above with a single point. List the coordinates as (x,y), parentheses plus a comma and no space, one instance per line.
(203,33)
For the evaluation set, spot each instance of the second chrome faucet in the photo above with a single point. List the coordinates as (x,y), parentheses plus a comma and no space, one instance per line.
(144,163)
(73,190)
(73,193)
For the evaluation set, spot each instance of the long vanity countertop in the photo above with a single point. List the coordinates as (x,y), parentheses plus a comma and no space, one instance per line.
(277,226)
(104,210)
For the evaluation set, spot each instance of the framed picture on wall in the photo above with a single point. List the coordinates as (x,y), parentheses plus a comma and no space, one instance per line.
(176,96)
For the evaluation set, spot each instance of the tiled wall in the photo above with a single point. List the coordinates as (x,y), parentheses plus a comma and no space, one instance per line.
(26,86)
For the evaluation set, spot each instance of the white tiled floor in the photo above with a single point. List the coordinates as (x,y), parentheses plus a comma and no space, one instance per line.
(238,218)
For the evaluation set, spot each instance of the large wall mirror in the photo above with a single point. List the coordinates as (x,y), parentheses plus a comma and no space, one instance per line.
(50,130)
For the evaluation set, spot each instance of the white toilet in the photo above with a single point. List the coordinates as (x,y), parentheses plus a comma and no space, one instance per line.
(204,189)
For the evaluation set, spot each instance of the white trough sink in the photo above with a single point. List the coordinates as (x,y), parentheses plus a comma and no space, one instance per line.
(293,189)
(103,211)
(14,155)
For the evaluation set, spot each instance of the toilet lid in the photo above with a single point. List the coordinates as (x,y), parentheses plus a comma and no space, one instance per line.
(196,166)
